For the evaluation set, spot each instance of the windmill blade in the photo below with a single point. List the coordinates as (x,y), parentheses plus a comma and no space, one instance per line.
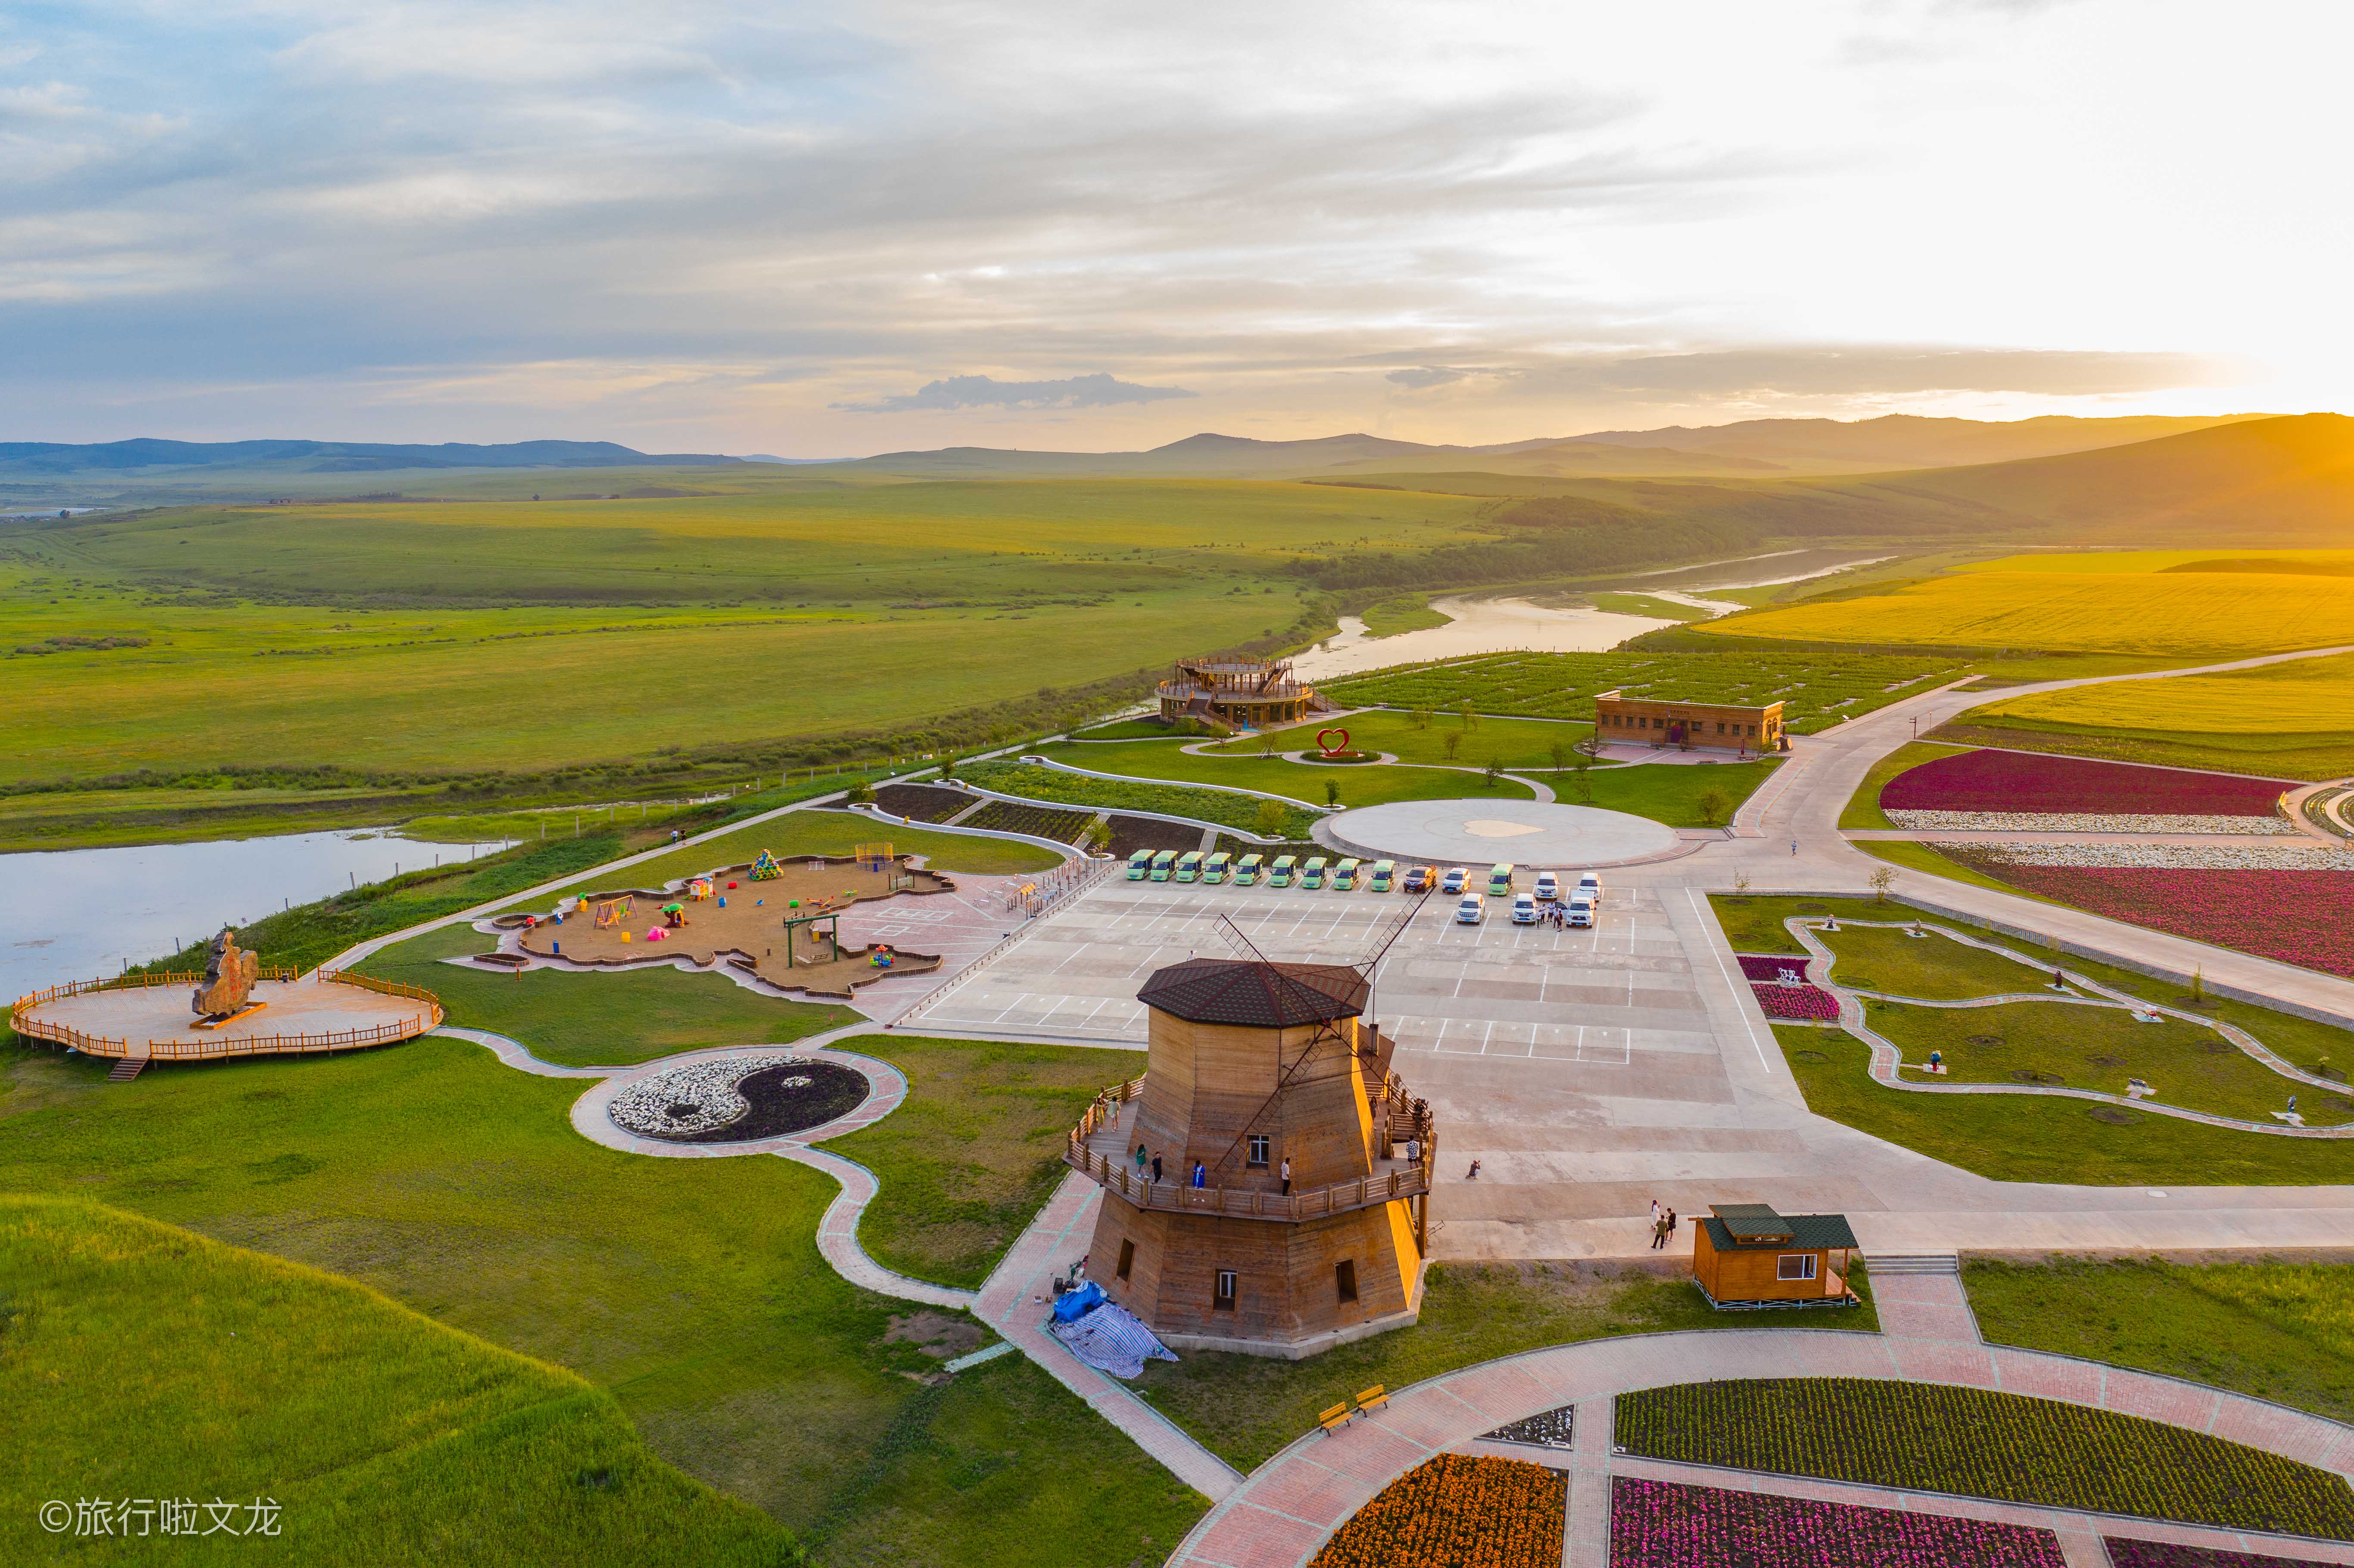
(1244,947)
(1388,932)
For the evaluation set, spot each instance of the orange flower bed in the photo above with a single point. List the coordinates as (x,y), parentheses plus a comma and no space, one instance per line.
(1456,1511)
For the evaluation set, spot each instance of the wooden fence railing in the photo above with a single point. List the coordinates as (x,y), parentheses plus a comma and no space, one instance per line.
(1118,1174)
(183,1049)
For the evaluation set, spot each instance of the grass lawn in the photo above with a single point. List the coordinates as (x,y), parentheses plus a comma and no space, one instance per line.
(1517,743)
(146,1361)
(2099,1048)
(692,1289)
(2033,1137)
(2283,1331)
(974,1149)
(604,1020)
(1926,860)
(1135,729)
(1936,967)
(1649,604)
(1247,1407)
(1407,613)
(1862,809)
(1145,793)
(1668,793)
(1360,784)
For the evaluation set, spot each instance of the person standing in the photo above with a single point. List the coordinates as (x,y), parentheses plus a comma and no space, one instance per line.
(1659,1233)
(1672,1225)
(1287,1173)
(1140,1160)
(1201,1174)
(1156,1168)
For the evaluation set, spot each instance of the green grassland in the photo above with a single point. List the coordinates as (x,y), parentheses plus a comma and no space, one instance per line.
(1816,690)
(2043,1138)
(1360,784)
(1406,612)
(1519,744)
(974,1149)
(146,1362)
(1219,806)
(569,1018)
(1870,958)
(692,1290)
(2279,1330)
(1647,604)
(1246,1408)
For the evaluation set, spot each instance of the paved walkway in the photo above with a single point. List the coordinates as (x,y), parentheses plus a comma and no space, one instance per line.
(1284,1511)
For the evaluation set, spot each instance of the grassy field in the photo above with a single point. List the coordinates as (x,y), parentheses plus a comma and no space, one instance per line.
(1247,1407)
(1999,606)
(1359,785)
(1649,604)
(2029,1137)
(1407,613)
(1877,958)
(1520,744)
(1863,809)
(569,1018)
(2279,1330)
(973,1150)
(1219,806)
(691,1290)
(1817,691)
(2278,721)
(146,1362)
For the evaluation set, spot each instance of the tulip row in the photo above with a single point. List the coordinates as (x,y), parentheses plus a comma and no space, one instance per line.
(1981,1442)
(2015,781)
(1663,1524)
(1457,1511)
(2304,917)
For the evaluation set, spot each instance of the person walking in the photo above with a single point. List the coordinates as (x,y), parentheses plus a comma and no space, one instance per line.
(1474,1174)
(1794,849)
(1140,1160)
(1286,1175)
(1659,1233)
(1156,1168)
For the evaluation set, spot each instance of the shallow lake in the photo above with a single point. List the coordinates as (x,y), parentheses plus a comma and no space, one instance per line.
(1481,626)
(77,913)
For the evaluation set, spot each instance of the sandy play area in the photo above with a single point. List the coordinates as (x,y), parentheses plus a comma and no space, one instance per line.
(740,920)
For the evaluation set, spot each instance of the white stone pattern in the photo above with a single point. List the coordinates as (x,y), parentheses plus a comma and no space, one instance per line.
(709,1087)
(2166,857)
(2087,822)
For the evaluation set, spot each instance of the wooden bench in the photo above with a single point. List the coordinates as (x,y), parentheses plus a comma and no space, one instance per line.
(1371,1399)
(1334,1419)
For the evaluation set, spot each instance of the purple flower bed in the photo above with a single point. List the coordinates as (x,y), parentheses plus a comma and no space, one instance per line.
(2028,781)
(2303,918)
(1663,1524)
(1769,966)
(2128,1553)
(1796,1002)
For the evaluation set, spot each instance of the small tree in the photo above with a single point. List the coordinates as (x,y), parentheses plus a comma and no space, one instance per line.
(1099,836)
(1712,803)
(1882,881)
(1491,775)
(1453,741)
(1420,718)
(947,766)
(1332,791)
(1470,719)
(1741,884)
(1561,756)
(1272,818)
(861,793)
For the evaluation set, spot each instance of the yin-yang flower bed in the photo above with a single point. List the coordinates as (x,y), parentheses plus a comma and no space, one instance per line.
(738,1099)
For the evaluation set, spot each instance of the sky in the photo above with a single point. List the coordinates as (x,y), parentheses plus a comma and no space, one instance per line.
(819,231)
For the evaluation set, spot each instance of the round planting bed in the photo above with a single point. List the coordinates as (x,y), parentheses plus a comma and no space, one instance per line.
(738,1100)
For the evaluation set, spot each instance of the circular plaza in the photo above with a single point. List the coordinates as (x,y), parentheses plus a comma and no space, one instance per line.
(1526,832)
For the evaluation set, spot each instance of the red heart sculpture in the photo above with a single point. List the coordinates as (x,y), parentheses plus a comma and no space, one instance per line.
(1326,747)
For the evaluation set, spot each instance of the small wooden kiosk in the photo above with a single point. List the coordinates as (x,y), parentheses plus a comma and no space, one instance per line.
(1291,1215)
(1745,1254)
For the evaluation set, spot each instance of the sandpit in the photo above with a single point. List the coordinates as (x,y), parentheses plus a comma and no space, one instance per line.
(742,922)
(323,1012)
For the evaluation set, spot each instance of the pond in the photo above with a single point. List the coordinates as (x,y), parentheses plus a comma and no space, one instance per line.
(76,914)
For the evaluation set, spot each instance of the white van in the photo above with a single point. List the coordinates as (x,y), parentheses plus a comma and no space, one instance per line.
(1581,910)
(1524,909)
(1467,911)
(1548,887)
(1589,887)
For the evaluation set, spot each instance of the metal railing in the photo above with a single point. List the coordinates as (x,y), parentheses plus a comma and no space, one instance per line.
(1097,871)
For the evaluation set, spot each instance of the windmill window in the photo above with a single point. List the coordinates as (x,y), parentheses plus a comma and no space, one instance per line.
(1258,1149)
(1227,1284)
(1127,1257)
(1344,1278)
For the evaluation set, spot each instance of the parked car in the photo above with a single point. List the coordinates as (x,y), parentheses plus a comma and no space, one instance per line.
(1164,866)
(1285,868)
(1140,865)
(1311,875)
(1581,911)
(1249,869)
(1383,876)
(1589,887)
(1455,880)
(1500,879)
(1548,887)
(1189,866)
(1524,909)
(1467,913)
(1421,879)
(1344,876)
(1215,869)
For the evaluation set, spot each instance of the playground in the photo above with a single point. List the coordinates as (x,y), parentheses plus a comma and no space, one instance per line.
(777,919)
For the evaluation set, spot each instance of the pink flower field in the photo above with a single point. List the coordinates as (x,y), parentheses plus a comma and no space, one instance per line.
(2019,781)
(2128,1553)
(1779,1001)
(2304,917)
(1663,1524)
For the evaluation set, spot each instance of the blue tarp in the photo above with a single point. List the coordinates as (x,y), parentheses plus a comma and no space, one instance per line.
(1110,1338)
(1074,1305)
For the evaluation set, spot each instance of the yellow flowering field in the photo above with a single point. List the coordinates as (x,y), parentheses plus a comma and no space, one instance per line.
(2306,697)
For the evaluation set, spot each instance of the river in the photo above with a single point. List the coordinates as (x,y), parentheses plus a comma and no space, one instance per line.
(1480,626)
(74,914)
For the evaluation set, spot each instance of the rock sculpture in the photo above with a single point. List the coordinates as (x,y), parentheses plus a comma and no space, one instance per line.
(230,974)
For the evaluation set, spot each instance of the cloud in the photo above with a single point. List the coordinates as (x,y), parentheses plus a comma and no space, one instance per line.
(1096,391)
(1874,370)
(1420,378)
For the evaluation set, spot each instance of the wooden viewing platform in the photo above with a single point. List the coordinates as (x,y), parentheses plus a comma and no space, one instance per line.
(1098,1148)
(124,1019)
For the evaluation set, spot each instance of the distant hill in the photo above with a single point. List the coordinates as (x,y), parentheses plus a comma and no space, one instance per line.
(29,458)
(1907,441)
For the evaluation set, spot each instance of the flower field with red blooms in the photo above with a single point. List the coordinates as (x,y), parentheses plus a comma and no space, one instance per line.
(1788,1001)
(2128,1553)
(1663,1524)
(2303,918)
(1456,1511)
(2024,781)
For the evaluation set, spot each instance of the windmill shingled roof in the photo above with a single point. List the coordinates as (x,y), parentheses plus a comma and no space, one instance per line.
(1255,995)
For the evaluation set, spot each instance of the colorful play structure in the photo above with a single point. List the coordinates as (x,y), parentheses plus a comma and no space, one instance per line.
(613,913)
(765,868)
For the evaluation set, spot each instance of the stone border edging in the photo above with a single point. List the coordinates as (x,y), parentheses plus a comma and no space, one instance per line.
(1888,1057)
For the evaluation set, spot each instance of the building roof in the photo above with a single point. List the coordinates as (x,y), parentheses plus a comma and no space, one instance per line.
(1601,698)
(1756,1227)
(1255,995)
